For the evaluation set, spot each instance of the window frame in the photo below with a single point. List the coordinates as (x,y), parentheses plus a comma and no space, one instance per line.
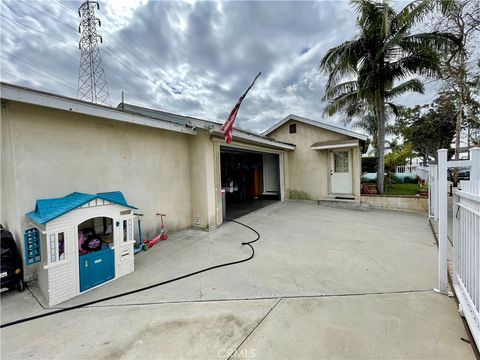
(53,250)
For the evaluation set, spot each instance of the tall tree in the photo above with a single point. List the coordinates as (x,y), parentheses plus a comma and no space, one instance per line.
(461,66)
(368,68)
(429,127)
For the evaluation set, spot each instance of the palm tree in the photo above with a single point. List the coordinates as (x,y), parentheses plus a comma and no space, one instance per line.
(369,124)
(383,53)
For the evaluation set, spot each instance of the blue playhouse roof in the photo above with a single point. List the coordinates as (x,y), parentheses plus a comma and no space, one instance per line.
(48,209)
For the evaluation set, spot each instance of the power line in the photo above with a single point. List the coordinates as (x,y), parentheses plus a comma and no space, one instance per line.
(30,29)
(35,69)
(144,51)
(122,60)
(38,31)
(115,56)
(48,14)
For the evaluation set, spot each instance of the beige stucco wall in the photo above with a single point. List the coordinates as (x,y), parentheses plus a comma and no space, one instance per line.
(308,170)
(403,203)
(202,165)
(51,153)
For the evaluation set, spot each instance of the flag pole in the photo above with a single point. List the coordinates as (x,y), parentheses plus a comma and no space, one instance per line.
(227,127)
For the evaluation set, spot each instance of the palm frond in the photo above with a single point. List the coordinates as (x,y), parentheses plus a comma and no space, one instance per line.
(339,89)
(414,85)
(340,102)
(414,12)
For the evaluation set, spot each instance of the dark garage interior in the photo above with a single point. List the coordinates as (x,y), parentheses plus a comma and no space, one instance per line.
(251,180)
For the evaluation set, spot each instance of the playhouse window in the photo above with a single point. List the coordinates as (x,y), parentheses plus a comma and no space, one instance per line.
(61,245)
(57,247)
(53,249)
(130,230)
(127,230)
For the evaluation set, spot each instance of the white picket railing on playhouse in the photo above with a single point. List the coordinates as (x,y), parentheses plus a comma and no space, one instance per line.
(466,253)
(466,235)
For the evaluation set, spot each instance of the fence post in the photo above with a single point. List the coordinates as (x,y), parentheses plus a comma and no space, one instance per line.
(442,220)
(475,159)
(456,240)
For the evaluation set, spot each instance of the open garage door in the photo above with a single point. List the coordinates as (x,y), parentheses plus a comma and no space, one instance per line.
(250,179)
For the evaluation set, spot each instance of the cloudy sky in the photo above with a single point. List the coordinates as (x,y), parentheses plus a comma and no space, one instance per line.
(192,58)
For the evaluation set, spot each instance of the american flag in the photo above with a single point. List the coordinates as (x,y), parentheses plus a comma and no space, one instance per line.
(227,127)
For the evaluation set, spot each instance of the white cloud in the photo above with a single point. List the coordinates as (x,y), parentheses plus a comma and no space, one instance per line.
(193,58)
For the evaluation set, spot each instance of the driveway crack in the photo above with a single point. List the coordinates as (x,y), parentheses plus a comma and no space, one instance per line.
(255,328)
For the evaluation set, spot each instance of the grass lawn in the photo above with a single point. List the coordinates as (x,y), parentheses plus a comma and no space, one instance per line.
(401,189)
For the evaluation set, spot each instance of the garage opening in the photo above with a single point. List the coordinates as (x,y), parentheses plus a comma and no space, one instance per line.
(251,180)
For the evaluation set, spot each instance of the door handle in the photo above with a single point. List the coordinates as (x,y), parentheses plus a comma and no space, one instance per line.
(86,263)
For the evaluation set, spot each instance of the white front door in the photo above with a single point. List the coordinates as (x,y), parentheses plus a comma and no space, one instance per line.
(341,172)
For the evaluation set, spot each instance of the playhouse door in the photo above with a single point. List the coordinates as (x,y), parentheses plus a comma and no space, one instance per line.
(96,268)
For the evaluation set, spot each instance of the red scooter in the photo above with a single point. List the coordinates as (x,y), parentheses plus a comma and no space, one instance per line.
(147,244)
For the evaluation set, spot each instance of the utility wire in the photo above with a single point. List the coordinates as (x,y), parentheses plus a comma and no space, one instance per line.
(130,66)
(247,243)
(35,69)
(38,31)
(143,51)
(29,4)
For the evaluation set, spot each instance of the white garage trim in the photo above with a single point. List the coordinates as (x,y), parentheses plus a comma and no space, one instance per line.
(33,97)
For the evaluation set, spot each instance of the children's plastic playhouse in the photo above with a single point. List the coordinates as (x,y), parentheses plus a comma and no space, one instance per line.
(83,241)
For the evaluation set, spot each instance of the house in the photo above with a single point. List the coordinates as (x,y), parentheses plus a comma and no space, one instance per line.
(326,163)
(162,162)
(86,240)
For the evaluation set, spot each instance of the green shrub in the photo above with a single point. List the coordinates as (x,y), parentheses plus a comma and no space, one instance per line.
(413,179)
(398,179)
(369,164)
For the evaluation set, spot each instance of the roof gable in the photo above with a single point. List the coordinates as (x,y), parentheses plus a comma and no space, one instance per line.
(317,124)
(49,209)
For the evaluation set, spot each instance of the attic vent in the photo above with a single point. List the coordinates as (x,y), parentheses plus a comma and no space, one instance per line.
(292,128)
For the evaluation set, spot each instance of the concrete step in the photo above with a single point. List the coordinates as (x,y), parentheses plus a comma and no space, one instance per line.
(342,203)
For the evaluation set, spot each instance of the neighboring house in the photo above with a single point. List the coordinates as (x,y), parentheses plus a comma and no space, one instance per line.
(161,162)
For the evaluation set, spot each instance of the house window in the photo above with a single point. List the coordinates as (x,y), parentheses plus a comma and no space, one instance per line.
(292,128)
(341,161)
(125,230)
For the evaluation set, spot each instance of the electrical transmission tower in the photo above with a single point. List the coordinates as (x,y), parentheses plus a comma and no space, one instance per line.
(92,83)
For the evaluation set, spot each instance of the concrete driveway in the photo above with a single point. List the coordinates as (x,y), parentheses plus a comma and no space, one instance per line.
(324,283)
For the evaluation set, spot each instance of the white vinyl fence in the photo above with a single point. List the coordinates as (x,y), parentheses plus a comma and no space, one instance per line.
(466,252)
(432,192)
(466,236)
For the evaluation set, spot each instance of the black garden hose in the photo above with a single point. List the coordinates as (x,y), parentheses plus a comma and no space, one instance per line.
(248,243)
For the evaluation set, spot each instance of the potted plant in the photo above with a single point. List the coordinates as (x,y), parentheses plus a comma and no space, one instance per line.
(423,190)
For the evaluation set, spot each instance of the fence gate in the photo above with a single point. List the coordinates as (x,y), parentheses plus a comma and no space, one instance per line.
(466,253)
(466,237)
